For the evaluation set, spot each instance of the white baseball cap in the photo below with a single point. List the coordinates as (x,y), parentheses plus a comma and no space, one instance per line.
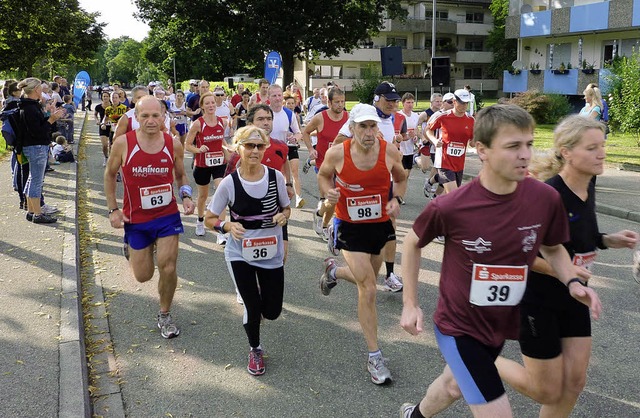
(362,112)
(448,96)
(462,95)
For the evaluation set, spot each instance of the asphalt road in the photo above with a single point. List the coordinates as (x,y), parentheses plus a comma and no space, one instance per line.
(316,355)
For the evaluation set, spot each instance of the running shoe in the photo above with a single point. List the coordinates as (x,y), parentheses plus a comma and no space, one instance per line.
(43,219)
(393,283)
(118,177)
(636,266)
(239,299)
(325,234)
(221,239)
(306,166)
(49,210)
(406,410)
(331,240)
(439,239)
(256,362)
(317,222)
(168,329)
(200,228)
(125,250)
(299,202)
(377,366)
(29,216)
(104,161)
(328,279)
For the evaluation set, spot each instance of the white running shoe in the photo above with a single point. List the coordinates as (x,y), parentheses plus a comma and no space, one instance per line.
(325,234)
(200,231)
(407,409)
(377,366)
(636,266)
(48,210)
(393,283)
(104,161)
(317,223)
(439,240)
(299,202)
(221,239)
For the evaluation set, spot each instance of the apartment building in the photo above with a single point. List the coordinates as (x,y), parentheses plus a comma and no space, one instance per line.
(563,45)
(461,31)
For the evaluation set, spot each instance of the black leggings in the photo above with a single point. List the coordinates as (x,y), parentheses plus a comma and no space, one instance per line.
(262,297)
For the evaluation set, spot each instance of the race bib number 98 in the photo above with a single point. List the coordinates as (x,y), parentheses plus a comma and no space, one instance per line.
(156,196)
(497,285)
(257,249)
(364,208)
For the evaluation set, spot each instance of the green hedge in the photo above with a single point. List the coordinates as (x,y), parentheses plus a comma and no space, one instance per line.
(252,87)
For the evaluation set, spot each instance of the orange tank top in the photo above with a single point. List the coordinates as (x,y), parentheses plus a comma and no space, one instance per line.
(363,193)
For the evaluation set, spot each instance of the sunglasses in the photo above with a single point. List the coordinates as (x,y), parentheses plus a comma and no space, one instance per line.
(219,94)
(251,146)
(449,101)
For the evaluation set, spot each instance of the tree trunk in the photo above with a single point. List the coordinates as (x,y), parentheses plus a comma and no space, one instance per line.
(287,68)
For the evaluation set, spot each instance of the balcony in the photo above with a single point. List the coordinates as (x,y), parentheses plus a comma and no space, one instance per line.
(409,25)
(358,54)
(416,55)
(402,84)
(484,84)
(476,29)
(570,82)
(477,57)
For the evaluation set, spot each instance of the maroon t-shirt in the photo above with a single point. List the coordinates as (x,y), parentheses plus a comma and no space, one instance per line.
(487,229)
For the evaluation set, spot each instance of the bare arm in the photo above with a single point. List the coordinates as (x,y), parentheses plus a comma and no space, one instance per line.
(121,127)
(181,175)
(114,163)
(313,125)
(326,172)
(191,136)
(412,317)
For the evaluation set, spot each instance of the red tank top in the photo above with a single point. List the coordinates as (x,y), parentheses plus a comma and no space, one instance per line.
(212,137)
(329,132)
(148,181)
(363,194)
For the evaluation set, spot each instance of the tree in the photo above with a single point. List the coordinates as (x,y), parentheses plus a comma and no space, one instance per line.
(46,35)
(624,100)
(504,50)
(244,30)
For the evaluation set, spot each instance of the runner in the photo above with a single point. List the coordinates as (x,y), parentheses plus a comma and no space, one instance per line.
(355,178)
(112,115)
(555,330)
(425,159)
(149,159)
(456,132)
(104,130)
(286,128)
(326,125)
(193,103)
(179,111)
(262,95)
(432,187)
(494,227)
(242,108)
(225,112)
(408,144)
(258,209)
(205,140)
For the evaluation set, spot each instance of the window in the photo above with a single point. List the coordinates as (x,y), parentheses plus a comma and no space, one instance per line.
(473,73)
(475,17)
(394,41)
(473,45)
(440,14)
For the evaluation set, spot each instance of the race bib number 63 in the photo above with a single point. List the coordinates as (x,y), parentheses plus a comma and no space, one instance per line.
(497,285)
(156,196)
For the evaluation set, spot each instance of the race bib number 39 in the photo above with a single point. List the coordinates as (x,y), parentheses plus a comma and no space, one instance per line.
(213,159)
(364,208)
(156,196)
(497,285)
(257,249)
(456,149)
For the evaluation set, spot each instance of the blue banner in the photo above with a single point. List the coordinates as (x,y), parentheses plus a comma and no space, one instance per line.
(80,85)
(272,66)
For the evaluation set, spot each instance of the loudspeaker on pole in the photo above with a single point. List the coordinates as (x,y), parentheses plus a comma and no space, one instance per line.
(391,60)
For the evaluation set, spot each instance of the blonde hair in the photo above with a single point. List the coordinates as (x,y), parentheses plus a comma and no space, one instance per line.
(593,92)
(247,133)
(567,135)
(29,84)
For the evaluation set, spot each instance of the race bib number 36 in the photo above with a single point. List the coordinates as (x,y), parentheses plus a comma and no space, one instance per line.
(456,149)
(497,285)
(364,208)
(585,260)
(213,159)
(262,248)
(156,196)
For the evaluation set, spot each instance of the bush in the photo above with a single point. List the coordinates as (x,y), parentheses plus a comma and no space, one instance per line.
(624,100)
(364,88)
(544,108)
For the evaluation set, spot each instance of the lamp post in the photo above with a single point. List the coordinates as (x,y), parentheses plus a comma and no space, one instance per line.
(175,80)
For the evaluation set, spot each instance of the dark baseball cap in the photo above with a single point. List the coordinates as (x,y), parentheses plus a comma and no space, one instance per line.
(387,90)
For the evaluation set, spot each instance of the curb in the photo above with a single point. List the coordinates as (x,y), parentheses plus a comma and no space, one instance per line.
(617,212)
(74,400)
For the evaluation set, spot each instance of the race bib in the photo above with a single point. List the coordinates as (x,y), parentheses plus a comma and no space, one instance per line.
(497,285)
(258,249)
(156,196)
(586,260)
(364,208)
(456,149)
(213,159)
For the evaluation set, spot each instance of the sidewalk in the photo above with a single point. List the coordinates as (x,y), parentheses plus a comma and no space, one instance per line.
(617,191)
(43,372)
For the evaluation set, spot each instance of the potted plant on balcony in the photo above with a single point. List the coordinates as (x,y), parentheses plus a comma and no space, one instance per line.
(535,68)
(587,68)
(561,69)
(513,71)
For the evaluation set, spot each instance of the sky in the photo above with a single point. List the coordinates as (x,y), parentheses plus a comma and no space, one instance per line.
(118,15)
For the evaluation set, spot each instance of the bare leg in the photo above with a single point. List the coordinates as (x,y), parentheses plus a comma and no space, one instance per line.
(167,257)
